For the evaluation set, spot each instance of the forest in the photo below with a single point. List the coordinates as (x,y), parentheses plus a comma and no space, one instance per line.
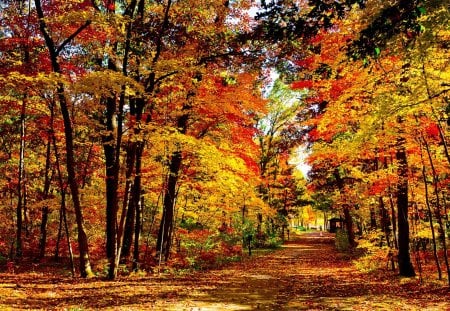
(157,135)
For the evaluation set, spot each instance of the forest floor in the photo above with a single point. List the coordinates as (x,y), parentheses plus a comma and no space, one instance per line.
(306,274)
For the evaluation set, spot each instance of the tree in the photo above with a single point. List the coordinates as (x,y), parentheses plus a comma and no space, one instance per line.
(54,52)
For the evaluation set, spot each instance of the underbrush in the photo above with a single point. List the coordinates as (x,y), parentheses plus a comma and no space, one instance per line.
(202,249)
(373,255)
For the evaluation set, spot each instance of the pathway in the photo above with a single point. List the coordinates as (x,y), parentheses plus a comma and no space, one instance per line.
(306,274)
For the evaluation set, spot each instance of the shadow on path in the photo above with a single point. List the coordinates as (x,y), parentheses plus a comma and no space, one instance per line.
(306,274)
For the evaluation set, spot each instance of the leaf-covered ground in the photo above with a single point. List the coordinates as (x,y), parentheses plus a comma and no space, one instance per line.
(306,274)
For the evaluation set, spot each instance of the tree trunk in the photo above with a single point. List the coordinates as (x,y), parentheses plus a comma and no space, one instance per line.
(20,184)
(136,196)
(85,267)
(112,183)
(66,228)
(404,259)
(45,194)
(346,208)
(166,225)
(394,220)
(373,219)
(128,229)
(385,221)
(63,213)
(59,234)
(126,226)
(349,225)
(430,219)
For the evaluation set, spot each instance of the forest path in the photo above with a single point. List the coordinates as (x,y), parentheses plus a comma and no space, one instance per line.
(306,274)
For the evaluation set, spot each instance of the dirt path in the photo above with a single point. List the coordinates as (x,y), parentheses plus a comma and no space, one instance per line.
(307,274)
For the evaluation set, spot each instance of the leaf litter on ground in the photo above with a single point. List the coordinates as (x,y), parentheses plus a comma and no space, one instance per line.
(307,273)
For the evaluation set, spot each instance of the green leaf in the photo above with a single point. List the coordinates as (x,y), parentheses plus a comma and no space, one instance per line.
(377,51)
(421,10)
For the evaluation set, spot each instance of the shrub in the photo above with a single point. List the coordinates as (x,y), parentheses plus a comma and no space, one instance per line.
(273,241)
(204,249)
(371,261)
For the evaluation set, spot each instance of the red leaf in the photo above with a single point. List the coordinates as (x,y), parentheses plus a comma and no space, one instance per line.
(305,84)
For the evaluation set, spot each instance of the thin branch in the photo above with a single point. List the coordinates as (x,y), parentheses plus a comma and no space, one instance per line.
(72,36)
(161,33)
(420,102)
(159,79)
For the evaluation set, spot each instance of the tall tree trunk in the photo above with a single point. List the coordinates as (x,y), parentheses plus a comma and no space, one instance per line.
(166,225)
(128,211)
(47,183)
(128,228)
(394,219)
(392,206)
(385,221)
(85,267)
(165,229)
(404,259)
(130,222)
(63,210)
(430,219)
(45,195)
(137,206)
(112,182)
(20,185)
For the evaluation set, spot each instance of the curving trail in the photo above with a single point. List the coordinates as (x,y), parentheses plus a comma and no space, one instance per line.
(306,274)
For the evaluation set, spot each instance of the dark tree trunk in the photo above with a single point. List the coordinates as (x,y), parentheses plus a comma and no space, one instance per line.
(63,213)
(348,220)
(385,221)
(54,51)
(430,220)
(373,219)
(136,198)
(112,182)
(166,226)
(45,209)
(47,183)
(126,227)
(404,260)
(85,266)
(129,229)
(20,185)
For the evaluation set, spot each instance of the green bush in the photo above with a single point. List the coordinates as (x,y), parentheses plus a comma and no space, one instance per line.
(273,241)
